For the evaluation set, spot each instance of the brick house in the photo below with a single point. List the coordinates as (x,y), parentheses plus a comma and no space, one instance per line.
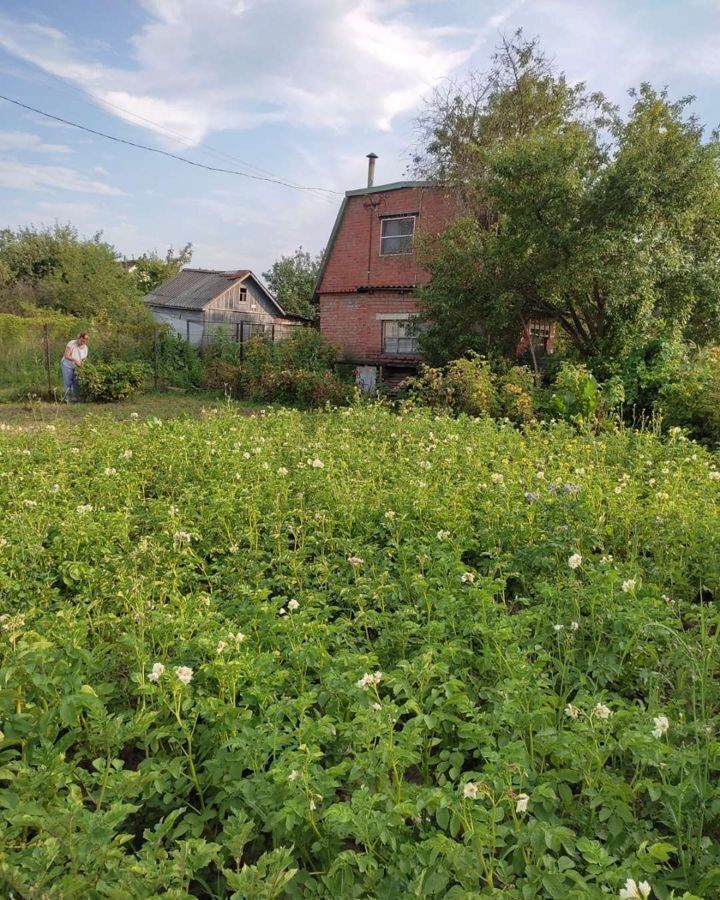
(370,272)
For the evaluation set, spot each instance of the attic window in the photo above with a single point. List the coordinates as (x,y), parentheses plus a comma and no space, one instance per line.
(234,298)
(396,235)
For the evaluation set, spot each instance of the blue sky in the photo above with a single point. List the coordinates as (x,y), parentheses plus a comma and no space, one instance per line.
(296,89)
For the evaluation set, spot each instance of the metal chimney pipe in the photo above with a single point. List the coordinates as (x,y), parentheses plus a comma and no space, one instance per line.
(371,168)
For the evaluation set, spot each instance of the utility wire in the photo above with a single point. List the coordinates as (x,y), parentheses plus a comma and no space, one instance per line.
(182,159)
(66,88)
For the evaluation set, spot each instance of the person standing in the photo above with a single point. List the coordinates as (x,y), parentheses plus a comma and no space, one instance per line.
(75,354)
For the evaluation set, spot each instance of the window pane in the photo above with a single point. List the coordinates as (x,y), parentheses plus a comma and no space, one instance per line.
(397,235)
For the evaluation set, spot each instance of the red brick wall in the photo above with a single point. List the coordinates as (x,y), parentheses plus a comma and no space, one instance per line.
(355,256)
(348,322)
(348,318)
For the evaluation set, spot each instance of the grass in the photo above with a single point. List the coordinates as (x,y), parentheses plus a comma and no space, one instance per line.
(161,405)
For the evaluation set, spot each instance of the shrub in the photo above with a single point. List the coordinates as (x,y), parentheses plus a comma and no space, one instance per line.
(222,348)
(648,369)
(110,382)
(306,349)
(576,394)
(221,376)
(299,387)
(517,394)
(178,361)
(464,386)
(692,398)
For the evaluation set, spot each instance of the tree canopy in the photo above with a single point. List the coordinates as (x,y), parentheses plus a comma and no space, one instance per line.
(292,279)
(608,224)
(151,269)
(54,268)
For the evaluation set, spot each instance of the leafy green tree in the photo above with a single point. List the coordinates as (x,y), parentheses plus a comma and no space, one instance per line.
(292,279)
(55,268)
(608,225)
(151,270)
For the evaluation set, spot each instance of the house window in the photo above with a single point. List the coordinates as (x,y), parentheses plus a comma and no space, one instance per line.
(539,332)
(400,337)
(396,235)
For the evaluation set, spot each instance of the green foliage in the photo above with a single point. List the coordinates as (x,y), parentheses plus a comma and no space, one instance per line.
(692,398)
(576,394)
(517,390)
(616,240)
(649,368)
(111,382)
(55,268)
(470,386)
(219,375)
(151,270)
(306,349)
(292,280)
(296,371)
(299,387)
(425,657)
(179,363)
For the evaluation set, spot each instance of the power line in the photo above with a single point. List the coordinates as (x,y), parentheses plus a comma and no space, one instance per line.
(174,156)
(156,126)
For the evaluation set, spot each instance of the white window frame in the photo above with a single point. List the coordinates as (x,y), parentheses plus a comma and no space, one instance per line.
(384,237)
(400,321)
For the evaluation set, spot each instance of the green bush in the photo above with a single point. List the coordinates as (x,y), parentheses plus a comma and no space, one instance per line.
(463,386)
(692,399)
(221,376)
(306,349)
(299,387)
(517,394)
(649,369)
(576,395)
(110,382)
(179,362)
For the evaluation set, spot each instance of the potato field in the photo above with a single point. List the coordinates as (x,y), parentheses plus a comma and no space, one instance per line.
(357,654)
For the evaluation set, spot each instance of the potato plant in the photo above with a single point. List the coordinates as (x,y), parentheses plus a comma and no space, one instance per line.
(356,654)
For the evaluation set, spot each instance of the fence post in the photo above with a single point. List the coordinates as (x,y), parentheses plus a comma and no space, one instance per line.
(46,349)
(242,342)
(272,332)
(156,372)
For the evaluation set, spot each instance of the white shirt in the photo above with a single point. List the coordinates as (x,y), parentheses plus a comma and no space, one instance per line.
(77,353)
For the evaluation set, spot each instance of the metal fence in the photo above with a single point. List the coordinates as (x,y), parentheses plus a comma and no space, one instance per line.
(241,332)
(31,350)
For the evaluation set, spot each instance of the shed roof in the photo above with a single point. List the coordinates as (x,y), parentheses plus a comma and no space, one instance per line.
(195,288)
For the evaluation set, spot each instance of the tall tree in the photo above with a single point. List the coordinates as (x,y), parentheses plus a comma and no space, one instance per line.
(609,225)
(292,280)
(151,269)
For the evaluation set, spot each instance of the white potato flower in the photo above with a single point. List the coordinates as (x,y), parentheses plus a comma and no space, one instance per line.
(156,672)
(635,891)
(602,711)
(184,674)
(470,790)
(662,724)
(522,803)
(575,561)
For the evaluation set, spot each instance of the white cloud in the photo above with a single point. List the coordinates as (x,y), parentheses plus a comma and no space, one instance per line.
(24,140)
(205,65)
(22,176)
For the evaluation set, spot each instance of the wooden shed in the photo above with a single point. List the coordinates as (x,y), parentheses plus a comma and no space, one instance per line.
(198,303)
